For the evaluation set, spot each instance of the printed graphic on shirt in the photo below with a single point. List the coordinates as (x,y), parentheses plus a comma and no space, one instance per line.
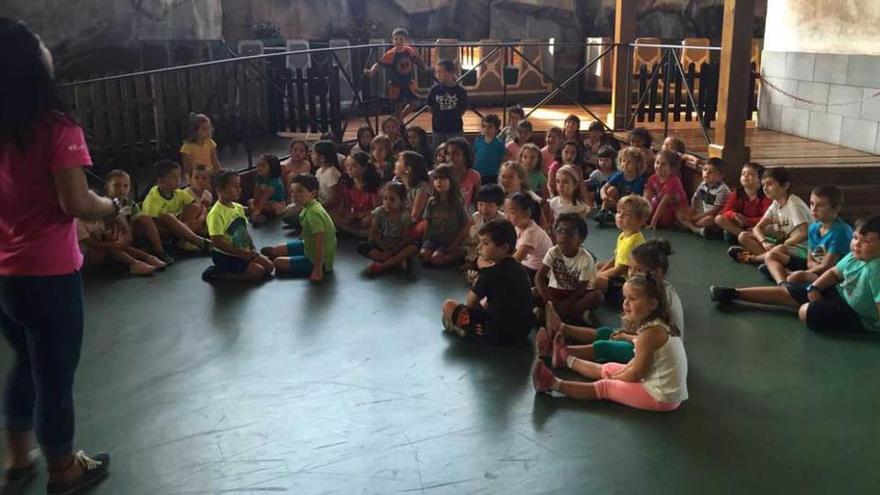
(238,232)
(447,102)
(564,278)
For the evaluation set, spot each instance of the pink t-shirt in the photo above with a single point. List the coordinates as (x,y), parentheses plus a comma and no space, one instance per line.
(513,149)
(469,184)
(37,237)
(671,187)
(547,158)
(533,236)
(360,200)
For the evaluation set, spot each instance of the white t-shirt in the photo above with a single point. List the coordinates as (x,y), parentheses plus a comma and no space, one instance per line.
(327,178)
(783,220)
(472,241)
(666,379)
(533,236)
(676,310)
(567,273)
(559,205)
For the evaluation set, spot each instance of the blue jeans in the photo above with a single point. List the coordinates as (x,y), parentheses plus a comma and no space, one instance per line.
(42,319)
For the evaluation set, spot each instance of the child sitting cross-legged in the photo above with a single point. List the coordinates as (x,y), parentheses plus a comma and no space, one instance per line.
(606,160)
(628,180)
(745,205)
(610,344)
(231,247)
(665,191)
(269,191)
(532,242)
(312,254)
(447,220)
(176,213)
(655,379)
(565,278)
(632,213)
(846,298)
(498,309)
(360,191)
(390,241)
(707,200)
(784,223)
(829,239)
(490,199)
(143,227)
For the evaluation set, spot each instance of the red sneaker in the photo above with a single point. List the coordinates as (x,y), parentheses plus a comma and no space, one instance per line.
(559,356)
(542,378)
(543,343)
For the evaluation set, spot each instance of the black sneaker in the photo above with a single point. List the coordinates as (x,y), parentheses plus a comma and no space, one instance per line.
(722,294)
(734,252)
(94,470)
(165,258)
(765,271)
(211,274)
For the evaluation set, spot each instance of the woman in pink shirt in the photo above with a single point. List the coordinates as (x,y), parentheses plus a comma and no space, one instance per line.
(42,188)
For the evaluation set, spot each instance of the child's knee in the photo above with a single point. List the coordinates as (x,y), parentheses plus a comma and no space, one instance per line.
(720,221)
(449,305)
(612,194)
(744,236)
(802,312)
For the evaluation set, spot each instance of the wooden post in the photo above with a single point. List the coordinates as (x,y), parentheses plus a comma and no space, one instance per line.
(733,86)
(624,34)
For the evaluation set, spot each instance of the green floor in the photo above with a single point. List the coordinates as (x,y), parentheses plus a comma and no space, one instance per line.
(351,387)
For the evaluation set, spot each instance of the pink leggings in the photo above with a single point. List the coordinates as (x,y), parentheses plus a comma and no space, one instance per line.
(628,393)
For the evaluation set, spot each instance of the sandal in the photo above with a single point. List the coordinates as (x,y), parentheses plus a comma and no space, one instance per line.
(93,471)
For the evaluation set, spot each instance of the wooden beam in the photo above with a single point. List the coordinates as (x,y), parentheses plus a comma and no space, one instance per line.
(624,34)
(733,85)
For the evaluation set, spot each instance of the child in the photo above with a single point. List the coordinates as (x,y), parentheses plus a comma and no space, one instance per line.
(100,240)
(855,304)
(829,241)
(568,270)
(269,192)
(389,243)
(417,141)
(382,156)
(231,247)
(532,242)
(489,151)
(447,101)
(297,163)
(606,160)
(440,154)
(571,131)
(391,127)
(665,191)
(640,139)
(597,139)
(530,158)
(654,380)
(785,222)
(628,180)
(458,154)
(553,140)
(608,344)
(200,185)
(410,170)
(569,198)
(447,220)
(490,200)
(745,205)
(677,146)
(632,213)
(707,200)
(365,137)
(198,148)
(312,254)
(521,138)
(568,155)
(512,179)
(515,114)
(400,59)
(176,214)
(117,186)
(360,189)
(329,173)
(505,317)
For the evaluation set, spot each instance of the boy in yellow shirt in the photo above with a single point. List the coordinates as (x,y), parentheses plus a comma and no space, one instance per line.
(632,213)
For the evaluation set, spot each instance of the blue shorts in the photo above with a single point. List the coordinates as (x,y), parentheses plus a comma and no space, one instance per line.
(225,263)
(299,264)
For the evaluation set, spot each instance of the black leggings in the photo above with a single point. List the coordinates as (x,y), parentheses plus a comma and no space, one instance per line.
(42,319)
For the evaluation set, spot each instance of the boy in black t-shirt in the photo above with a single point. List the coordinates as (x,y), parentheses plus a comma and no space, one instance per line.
(447,100)
(505,318)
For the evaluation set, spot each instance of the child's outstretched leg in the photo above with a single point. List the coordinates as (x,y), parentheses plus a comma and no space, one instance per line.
(145,225)
(145,257)
(135,267)
(180,230)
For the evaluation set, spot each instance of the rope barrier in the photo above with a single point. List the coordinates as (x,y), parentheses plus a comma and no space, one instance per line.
(810,102)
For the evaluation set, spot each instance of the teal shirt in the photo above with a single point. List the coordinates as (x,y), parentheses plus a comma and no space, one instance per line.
(314,219)
(275,184)
(860,288)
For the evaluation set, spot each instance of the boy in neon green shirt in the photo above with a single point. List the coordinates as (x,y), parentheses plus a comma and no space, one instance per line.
(176,213)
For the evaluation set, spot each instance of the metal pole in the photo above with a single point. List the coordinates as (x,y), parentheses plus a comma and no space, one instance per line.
(665,114)
(504,86)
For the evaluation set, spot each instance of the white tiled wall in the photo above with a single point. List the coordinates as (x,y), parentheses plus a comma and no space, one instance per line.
(825,80)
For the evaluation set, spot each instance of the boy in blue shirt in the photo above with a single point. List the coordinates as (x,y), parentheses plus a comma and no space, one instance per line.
(489,151)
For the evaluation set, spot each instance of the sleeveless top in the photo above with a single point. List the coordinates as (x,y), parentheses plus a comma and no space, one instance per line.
(667,379)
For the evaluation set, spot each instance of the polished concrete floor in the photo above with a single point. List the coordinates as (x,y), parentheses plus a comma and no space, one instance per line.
(350,387)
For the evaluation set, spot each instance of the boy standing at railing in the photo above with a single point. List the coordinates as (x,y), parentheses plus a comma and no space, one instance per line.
(401,58)
(447,101)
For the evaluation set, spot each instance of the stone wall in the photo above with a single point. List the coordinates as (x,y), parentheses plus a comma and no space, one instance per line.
(818,85)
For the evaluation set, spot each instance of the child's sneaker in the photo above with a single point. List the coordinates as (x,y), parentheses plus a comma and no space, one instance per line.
(165,258)
(543,343)
(765,271)
(542,378)
(559,357)
(721,294)
(211,274)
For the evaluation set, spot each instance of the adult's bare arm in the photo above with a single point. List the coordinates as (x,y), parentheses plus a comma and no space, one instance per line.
(75,197)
